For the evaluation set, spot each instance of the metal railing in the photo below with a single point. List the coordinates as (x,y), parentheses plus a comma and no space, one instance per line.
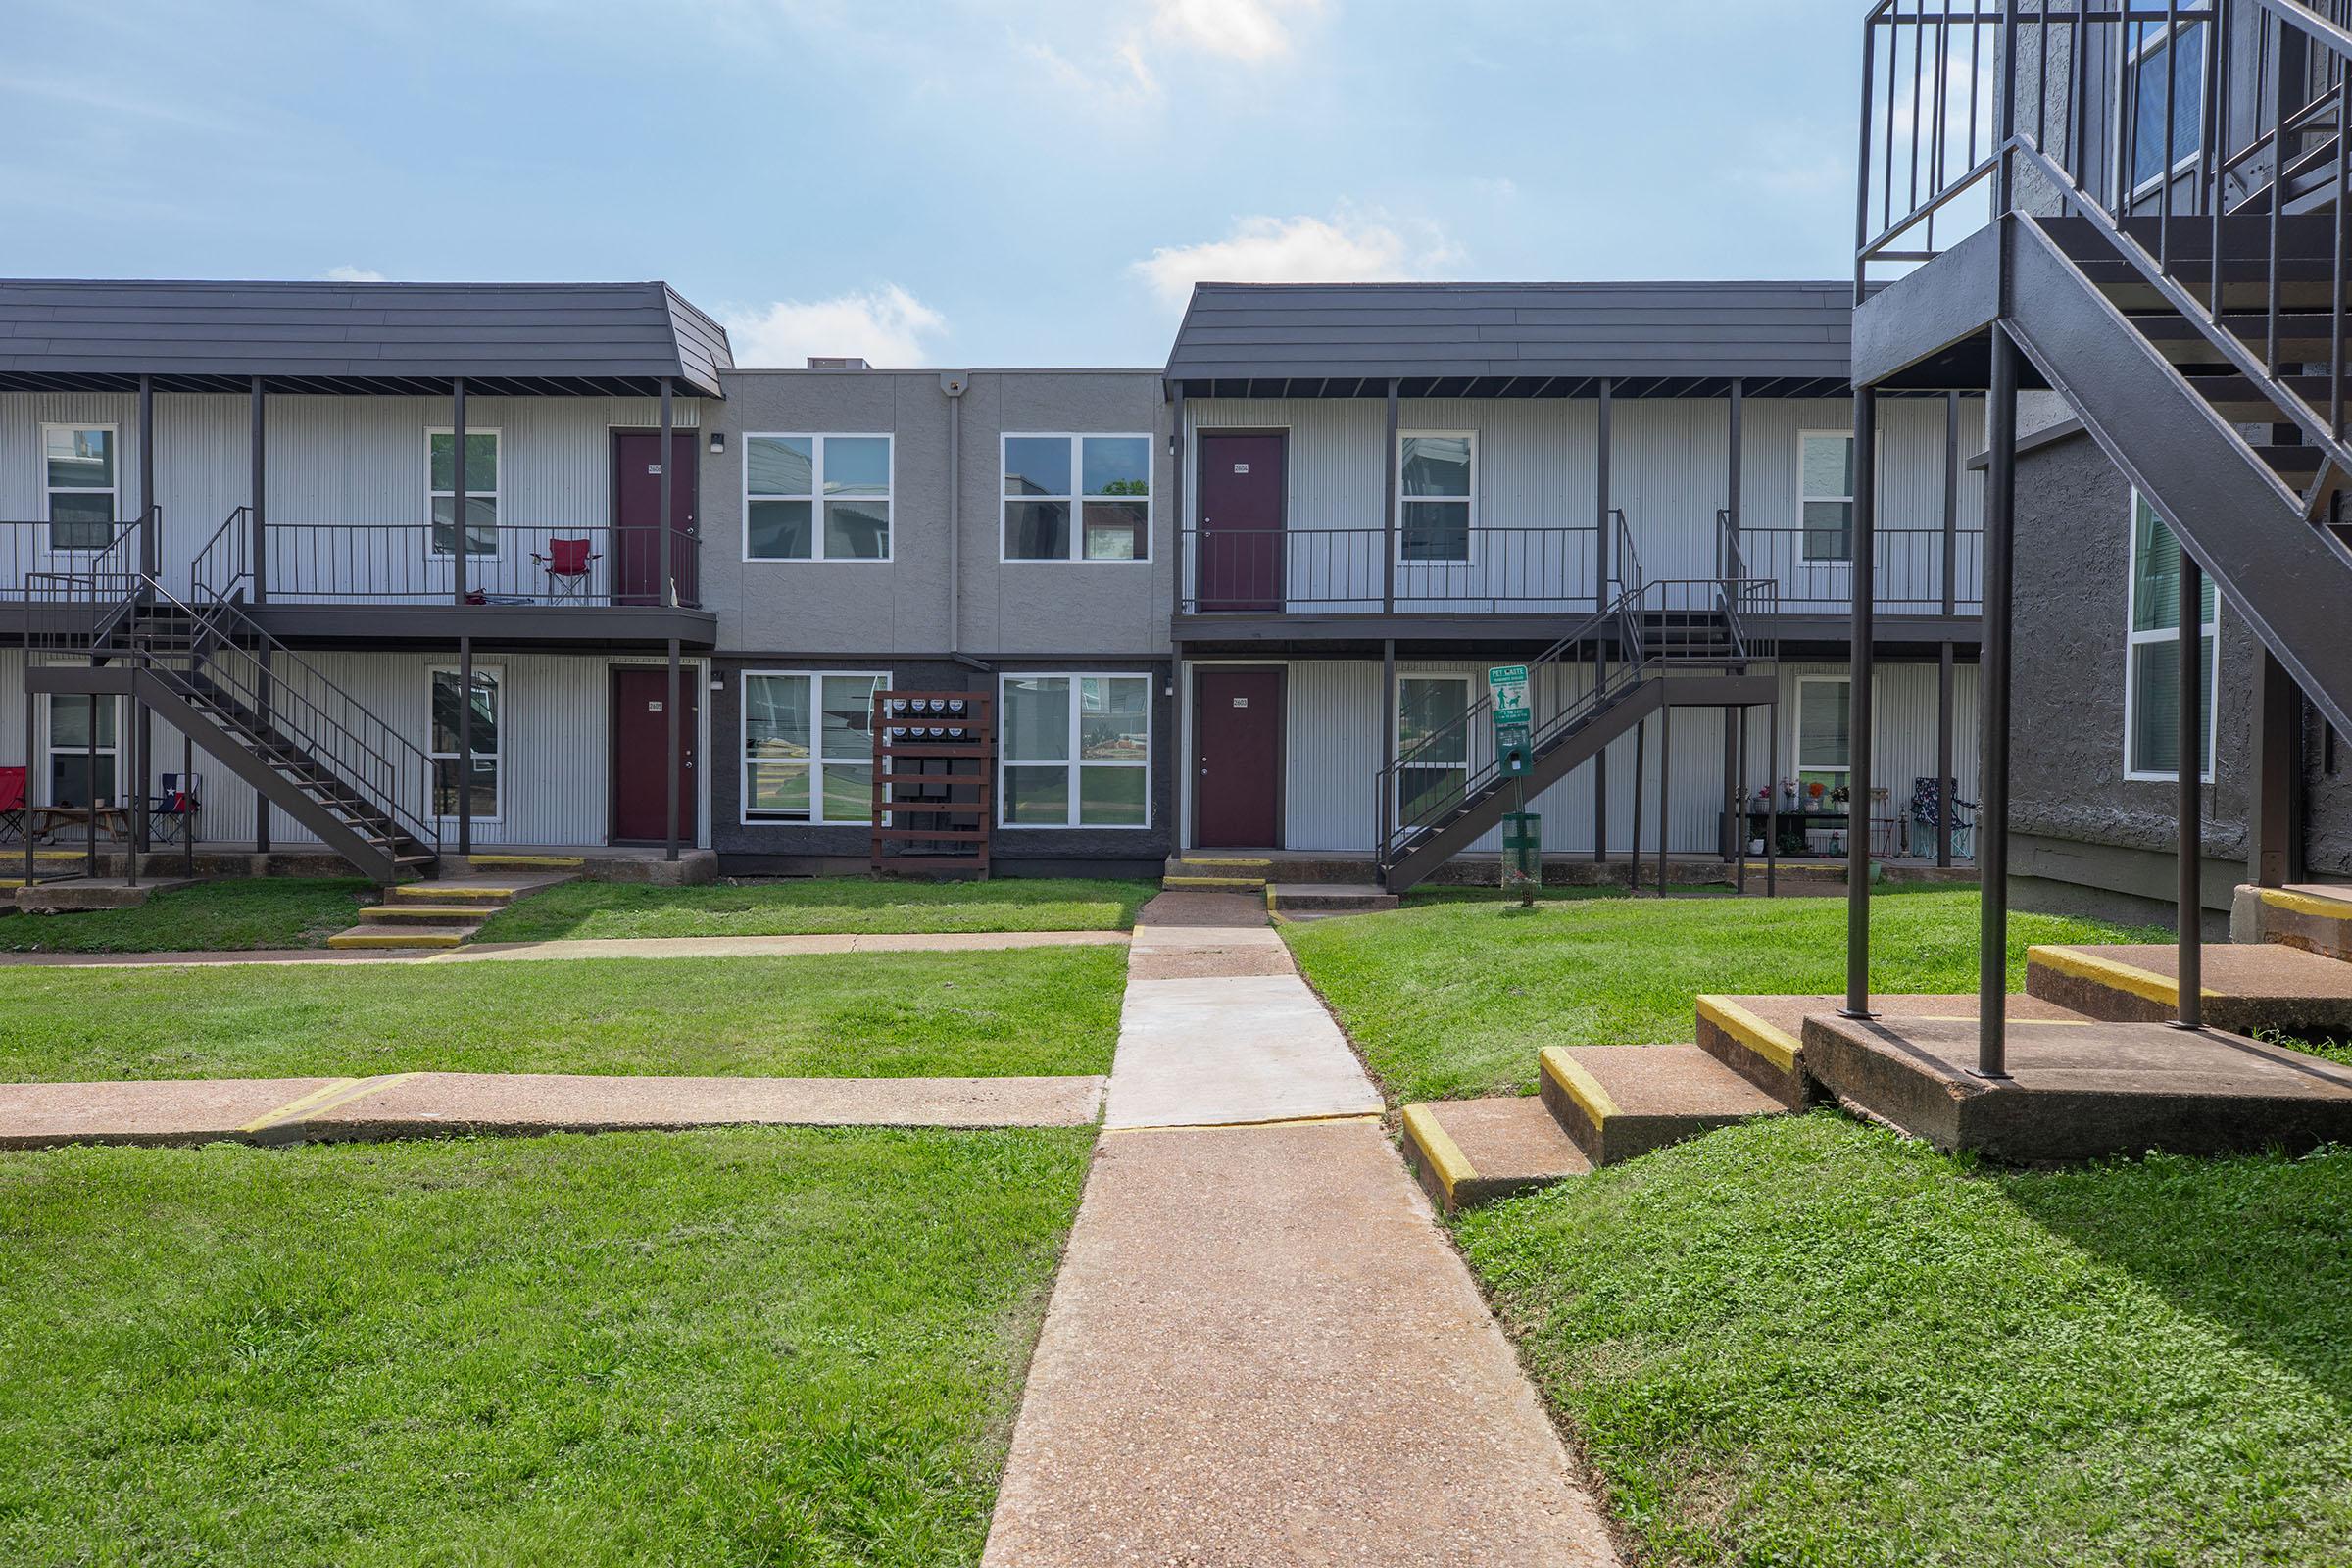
(34,551)
(1685,623)
(414,564)
(2199,141)
(1342,570)
(1815,571)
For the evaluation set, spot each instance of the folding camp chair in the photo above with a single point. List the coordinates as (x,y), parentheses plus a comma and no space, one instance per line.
(569,564)
(1925,812)
(12,805)
(171,814)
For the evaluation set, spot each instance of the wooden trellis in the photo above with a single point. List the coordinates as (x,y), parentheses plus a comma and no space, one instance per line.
(935,756)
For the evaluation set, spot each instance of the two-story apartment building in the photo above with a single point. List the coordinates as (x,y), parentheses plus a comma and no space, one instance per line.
(1244,601)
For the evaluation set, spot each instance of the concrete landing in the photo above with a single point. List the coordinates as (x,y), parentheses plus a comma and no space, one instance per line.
(2245,986)
(1327,897)
(2080,1088)
(1262,1351)
(88,893)
(1621,1102)
(1222,1049)
(2315,917)
(1470,1152)
(1762,1038)
(429,1105)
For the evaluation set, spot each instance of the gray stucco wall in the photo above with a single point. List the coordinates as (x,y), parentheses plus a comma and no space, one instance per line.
(2083,827)
(915,605)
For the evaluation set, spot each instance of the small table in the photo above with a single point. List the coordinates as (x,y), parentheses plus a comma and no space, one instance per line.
(111,820)
(1796,824)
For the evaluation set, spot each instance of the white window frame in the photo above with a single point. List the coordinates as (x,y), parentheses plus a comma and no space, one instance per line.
(1469,696)
(114,492)
(1799,767)
(2134,639)
(1077,498)
(1005,759)
(51,750)
(473,492)
(2129,62)
(497,670)
(816,497)
(1803,496)
(1468,504)
(816,678)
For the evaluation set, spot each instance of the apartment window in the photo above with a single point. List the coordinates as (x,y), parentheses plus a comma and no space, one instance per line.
(809,747)
(2152,668)
(452,779)
(1825,476)
(1077,751)
(1100,483)
(1824,738)
(78,477)
(1434,743)
(81,749)
(1434,479)
(482,491)
(816,497)
(2160,60)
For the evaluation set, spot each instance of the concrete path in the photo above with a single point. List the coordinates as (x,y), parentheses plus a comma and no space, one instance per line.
(1260,1347)
(740,946)
(425,1104)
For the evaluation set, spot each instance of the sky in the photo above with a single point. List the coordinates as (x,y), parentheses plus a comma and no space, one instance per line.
(958,183)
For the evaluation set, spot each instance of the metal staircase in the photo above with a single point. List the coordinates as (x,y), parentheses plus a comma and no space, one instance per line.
(1690,643)
(254,705)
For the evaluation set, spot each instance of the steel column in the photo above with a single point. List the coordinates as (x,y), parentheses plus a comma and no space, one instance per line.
(1600,599)
(1633,858)
(150,563)
(465,735)
(666,553)
(1772,799)
(1665,799)
(2188,928)
(671,789)
(1864,578)
(1947,787)
(1388,804)
(458,532)
(1184,522)
(2274,833)
(1992,711)
(258,515)
(1388,564)
(188,819)
(1727,550)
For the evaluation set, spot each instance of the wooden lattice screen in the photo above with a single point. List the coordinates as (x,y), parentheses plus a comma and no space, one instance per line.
(935,775)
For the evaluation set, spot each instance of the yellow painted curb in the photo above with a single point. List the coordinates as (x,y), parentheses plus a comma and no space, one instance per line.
(1774,1045)
(1437,1145)
(2309,903)
(1213,881)
(345,941)
(1190,860)
(342,1091)
(429,889)
(526,862)
(1579,1084)
(299,1105)
(412,911)
(2143,983)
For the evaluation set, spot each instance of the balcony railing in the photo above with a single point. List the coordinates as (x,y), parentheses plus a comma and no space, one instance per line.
(1815,570)
(33,555)
(414,564)
(1466,570)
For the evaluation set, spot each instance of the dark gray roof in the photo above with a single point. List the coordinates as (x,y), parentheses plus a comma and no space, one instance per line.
(1515,339)
(544,338)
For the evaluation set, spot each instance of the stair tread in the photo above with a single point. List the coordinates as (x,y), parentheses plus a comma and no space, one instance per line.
(2250,969)
(1670,1082)
(1476,1150)
(399,936)
(453,913)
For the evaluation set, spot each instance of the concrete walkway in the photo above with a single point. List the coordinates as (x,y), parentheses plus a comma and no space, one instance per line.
(743,947)
(425,1104)
(1260,1347)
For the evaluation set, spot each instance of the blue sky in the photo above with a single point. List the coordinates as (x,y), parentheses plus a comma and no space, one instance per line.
(930,182)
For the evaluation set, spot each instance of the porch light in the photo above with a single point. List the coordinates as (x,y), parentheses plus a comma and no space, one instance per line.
(718,443)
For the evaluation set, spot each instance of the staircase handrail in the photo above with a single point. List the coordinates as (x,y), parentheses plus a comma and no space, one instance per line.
(222,564)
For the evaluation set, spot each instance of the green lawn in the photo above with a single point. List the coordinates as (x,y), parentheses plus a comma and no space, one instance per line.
(774,1347)
(1454,998)
(820,905)
(239,914)
(1809,1342)
(1043,1010)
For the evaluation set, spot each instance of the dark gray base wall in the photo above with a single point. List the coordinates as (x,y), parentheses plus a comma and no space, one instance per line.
(795,850)
(2108,882)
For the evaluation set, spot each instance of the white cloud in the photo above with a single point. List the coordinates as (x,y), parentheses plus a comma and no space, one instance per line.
(1244,30)
(348,273)
(1349,248)
(885,325)
(1125,82)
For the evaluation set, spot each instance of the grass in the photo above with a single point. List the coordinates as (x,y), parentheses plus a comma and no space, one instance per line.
(1810,1342)
(1454,998)
(844,903)
(756,1347)
(230,915)
(1045,1011)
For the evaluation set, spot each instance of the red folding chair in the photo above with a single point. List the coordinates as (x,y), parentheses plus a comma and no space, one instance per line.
(569,564)
(12,803)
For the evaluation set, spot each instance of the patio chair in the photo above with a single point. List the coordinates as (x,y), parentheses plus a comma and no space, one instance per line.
(1925,794)
(172,814)
(12,805)
(569,564)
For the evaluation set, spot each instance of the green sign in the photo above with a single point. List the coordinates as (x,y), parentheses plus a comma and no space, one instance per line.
(1514,738)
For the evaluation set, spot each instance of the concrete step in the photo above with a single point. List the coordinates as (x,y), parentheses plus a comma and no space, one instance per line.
(1326,898)
(1468,1152)
(489,894)
(1619,1102)
(417,912)
(399,936)
(526,862)
(2247,986)
(2315,917)
(1761,1038)
(1231,884)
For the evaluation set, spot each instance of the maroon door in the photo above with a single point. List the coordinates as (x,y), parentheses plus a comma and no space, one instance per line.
(1240,522)
(1237,749)
(643,556)
(641,754)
